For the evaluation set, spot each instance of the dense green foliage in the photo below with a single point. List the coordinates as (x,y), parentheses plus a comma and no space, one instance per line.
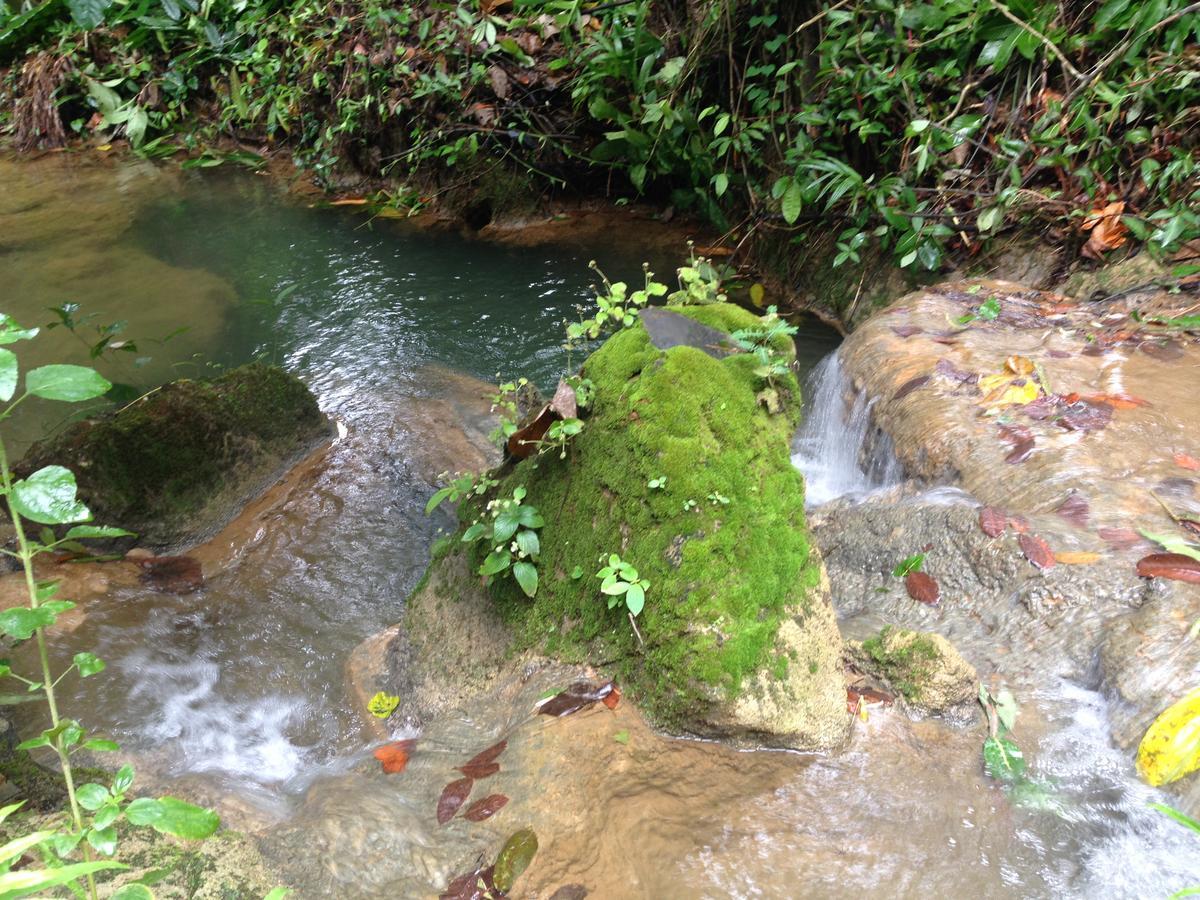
(920,125)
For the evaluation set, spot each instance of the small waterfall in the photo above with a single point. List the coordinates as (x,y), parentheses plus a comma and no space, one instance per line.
(837,448)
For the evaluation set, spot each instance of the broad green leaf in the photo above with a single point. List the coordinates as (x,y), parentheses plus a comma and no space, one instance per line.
(88,14)
(88,664)
(506,524)
(614,588)
(123,780)
(48,496)
(83,532)
(17,847)
(92,796)
(436,500)
(530,518)
(1006,709)
(70,384)
(28,881)
(1003,759)
(474,533)
(911,564)
(9,371)
(635,598)
(792,203)
(170,815)
(11,332)
(106,815)
(528,543)
(527,577)
(21,622)
(103,840)
(514,859)
(10,809)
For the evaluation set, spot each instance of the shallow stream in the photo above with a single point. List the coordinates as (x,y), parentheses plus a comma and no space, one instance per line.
(237,694)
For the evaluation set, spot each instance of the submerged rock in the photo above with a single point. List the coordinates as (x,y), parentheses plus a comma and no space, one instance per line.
(921,667)
(176,464)
(737,638)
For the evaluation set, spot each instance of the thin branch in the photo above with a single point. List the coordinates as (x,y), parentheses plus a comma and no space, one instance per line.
(1066,63)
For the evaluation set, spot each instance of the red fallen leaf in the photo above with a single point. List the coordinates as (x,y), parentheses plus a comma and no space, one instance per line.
(1175,566)
(1037,551)
(855,696)
(394,756)
(906,331)
(909,386)
(1120,538)
(490,755)
(480,770)
(485,808)
(993,521)
(453,796)
(949,370)
(578,696)
(922,588)
(1020,451)
(1058,354)
(613,698)
(1189,525)
(1075,510)
(1187,462)
(477,885)
(172,574)
(1041,409)
(1021,439)
(1117,401)
(1019,524)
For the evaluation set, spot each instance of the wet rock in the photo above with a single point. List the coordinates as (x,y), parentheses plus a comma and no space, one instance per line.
(177,464)
(922,668)
(737,639)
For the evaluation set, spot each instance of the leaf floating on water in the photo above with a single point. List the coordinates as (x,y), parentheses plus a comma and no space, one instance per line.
(1086,416)
(922,588)
(453,796)
(1174,544)
(1020,451)
(993,521)
(1074,509)
(612,698)
(1037,551)
(394,756)
(515,858)
(909,386)
(485,808)
(480,770)
(1077,557)
(1187,461)
(1120,538)
(1174,566)
(1003,759)
(578,696)
(1019,365)
(1171,746)
(382,705)
(477,885)
(1018,523)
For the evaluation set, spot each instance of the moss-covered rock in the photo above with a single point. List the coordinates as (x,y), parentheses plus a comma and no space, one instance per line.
(175,464)
(921,667)
(737,637)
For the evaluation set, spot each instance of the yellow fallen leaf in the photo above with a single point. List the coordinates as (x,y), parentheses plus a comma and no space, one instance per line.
(756,294)
(989,383)
(1077,557)
(1019,365)
(1170,748)
(1010,394)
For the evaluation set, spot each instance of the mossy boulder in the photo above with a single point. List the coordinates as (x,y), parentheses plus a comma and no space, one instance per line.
(922,668)
(738,636)
(176,464)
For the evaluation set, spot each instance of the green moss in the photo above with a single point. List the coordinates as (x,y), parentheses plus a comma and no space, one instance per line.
(156,465)
(905,658)
(722,576)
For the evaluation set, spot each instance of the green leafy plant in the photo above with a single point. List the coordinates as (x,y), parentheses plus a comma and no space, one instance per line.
(510,529)
(1187,822)
(1002,758)
(762,343)
(507,404)
(616,306)
(463,484)
(618,579)
(559,433)
(48,497)
(699,282)
(657,484)
(988,311)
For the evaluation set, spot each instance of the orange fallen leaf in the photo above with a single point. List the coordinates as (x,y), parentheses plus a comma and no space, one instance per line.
(1019,365)
(394,756)
(612,698)
(350,201)
(1187,461)
(1108,231)
(1077,557)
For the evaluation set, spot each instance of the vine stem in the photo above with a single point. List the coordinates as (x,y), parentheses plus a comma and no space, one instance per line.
(26,556)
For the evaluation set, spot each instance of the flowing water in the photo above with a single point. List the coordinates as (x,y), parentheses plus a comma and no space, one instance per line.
(237,695)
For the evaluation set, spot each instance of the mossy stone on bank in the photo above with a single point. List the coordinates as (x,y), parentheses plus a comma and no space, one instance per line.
(921,667)
(175,464)
(738,637)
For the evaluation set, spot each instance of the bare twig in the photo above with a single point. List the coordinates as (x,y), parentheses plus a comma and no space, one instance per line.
(1050,45)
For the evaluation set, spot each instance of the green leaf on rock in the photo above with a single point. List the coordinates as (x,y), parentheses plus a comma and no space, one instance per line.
(48,496)
(911,564)
(70,384)
(527,577)
(514,859)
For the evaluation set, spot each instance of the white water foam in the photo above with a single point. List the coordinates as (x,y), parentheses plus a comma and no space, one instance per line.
(831,448)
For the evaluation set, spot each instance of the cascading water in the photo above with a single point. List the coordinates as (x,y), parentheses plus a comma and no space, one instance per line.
(836,448)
